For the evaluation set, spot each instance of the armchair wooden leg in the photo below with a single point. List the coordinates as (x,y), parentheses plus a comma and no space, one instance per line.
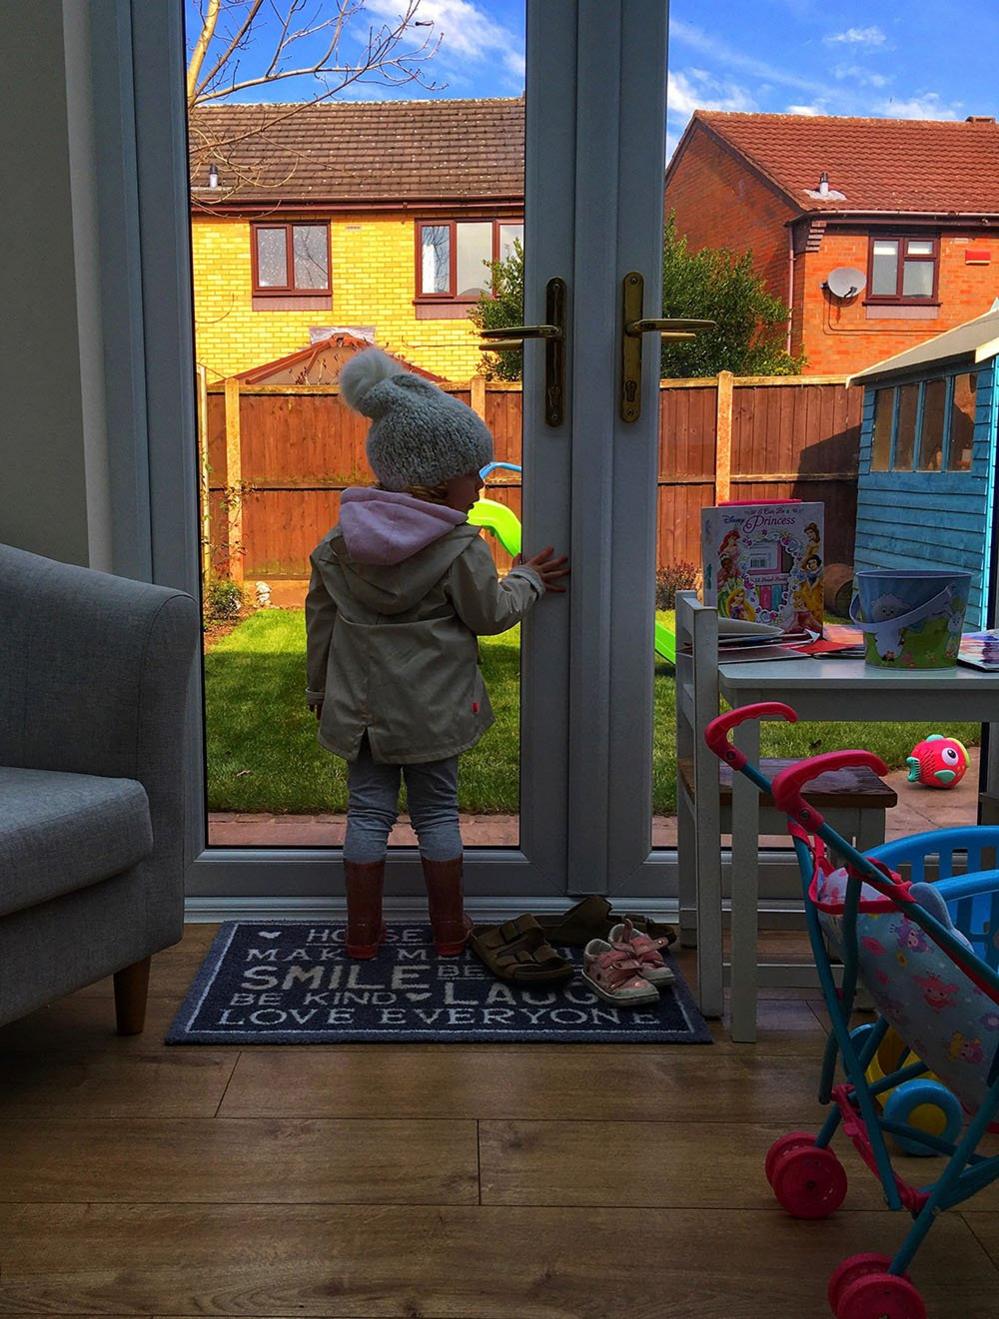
(131,985)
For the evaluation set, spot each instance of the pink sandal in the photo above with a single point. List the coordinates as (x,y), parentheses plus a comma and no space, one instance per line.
(645,951)
(616,975)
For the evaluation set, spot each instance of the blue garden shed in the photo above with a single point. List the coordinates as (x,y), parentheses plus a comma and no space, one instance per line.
(927,471)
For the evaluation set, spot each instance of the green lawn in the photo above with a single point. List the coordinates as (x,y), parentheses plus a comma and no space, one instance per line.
(263,754)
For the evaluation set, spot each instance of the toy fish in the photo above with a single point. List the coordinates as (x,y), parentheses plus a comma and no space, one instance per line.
(938,762)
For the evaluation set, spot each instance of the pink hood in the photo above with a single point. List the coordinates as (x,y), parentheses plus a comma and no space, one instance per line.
(384,527)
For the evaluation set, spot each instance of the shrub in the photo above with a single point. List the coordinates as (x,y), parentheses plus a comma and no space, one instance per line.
(681,576)
(223,601)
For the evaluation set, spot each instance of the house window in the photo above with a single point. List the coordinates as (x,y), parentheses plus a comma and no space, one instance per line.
(931,427)
(290,259)
(453,256)
(962,423)
(902,269)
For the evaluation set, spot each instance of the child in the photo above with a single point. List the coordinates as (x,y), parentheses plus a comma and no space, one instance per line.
(400,590)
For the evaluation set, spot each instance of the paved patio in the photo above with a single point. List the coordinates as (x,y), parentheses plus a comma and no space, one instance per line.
(918,809)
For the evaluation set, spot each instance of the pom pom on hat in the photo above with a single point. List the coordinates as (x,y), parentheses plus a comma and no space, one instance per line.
(419,434)
(359,376)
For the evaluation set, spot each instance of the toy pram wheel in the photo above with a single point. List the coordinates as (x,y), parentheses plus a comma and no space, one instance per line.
(852,1268)
(809,1183)
(794,1140)
(927,1106)
(881,1296)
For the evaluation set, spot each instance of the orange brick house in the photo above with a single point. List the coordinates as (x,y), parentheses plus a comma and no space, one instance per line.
(912,205)
(373,219)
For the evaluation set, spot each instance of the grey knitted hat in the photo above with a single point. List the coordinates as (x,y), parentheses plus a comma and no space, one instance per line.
(419,435)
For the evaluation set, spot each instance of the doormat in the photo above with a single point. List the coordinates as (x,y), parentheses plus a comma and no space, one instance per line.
(292,983)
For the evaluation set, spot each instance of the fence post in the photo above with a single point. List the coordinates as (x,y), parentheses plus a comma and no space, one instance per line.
(723,438)
(233,495)
(477,391)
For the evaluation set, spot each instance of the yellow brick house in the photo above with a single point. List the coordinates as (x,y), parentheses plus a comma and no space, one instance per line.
(375,218)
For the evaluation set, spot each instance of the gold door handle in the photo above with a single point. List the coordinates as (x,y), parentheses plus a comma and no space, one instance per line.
(505,338)
(633,326)
(523,332)
(670,327)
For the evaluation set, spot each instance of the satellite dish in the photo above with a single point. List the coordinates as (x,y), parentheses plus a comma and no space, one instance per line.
(845,281)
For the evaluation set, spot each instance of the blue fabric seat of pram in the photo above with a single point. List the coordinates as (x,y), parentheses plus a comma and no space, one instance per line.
(933,1004)
(972,897)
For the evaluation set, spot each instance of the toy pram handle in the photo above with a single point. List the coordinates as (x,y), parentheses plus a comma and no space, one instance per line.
(716,733)
(788,784)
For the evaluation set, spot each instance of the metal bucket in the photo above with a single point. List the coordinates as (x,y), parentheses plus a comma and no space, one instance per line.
(911,619)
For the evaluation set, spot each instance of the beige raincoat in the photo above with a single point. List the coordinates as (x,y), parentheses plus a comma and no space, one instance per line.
(392,648)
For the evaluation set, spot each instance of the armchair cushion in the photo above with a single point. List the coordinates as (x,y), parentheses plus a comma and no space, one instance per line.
(60,832)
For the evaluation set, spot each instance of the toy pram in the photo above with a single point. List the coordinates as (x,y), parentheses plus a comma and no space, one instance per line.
(932,982)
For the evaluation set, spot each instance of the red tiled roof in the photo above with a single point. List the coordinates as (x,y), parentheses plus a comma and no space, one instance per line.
(895,165)
(360,152)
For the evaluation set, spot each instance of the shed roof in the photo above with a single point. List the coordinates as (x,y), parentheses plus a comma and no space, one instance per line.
(978,340)
(907,166)
(360,152)
(320,363)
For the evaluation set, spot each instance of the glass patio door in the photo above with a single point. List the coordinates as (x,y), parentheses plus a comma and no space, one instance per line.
(595,127)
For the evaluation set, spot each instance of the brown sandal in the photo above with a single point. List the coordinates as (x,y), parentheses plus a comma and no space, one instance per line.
(593,918)
(517,951)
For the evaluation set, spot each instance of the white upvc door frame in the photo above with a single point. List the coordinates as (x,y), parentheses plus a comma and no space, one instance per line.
(596,74)
(622,79)
(138,56)
(619,208)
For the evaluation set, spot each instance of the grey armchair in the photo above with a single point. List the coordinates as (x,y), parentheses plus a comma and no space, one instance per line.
(94,675)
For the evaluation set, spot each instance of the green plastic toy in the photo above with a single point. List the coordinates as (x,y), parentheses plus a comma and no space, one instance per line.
(503,523)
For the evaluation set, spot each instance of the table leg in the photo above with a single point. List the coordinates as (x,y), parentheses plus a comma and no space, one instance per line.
(989,811)
(745,889)
(686,855)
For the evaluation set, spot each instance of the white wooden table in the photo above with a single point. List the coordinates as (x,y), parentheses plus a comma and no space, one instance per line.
(829,689)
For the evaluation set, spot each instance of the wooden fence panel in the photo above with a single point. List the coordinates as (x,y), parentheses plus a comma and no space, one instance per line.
(300,446)
(216,440)
(799,440)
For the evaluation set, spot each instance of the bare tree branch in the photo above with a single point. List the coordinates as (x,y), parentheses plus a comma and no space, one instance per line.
(222,79)
(227,54)
(204,40)
(383,60)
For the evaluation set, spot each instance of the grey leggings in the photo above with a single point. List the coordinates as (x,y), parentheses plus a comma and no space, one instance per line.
(373,807)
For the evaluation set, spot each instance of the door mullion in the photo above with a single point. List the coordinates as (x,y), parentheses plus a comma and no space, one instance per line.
(636,444)
(550,100)
(593,403)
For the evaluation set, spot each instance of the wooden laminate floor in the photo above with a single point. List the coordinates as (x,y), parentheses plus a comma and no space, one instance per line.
(426,1182)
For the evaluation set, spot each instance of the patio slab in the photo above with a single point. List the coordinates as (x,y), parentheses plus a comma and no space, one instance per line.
(918,810)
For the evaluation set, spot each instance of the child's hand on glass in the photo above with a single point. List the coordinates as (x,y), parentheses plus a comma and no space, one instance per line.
(549,568)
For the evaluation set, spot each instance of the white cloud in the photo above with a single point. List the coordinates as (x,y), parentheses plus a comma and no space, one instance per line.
(869,37)
(687,34)
(695,89)
(467,32)
(863,77)
(804,109)
(516,63)
(925,105)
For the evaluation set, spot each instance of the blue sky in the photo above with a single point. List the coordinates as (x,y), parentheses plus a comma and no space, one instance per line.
(917,61)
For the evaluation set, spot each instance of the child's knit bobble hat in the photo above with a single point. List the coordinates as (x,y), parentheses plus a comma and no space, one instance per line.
(419,435)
